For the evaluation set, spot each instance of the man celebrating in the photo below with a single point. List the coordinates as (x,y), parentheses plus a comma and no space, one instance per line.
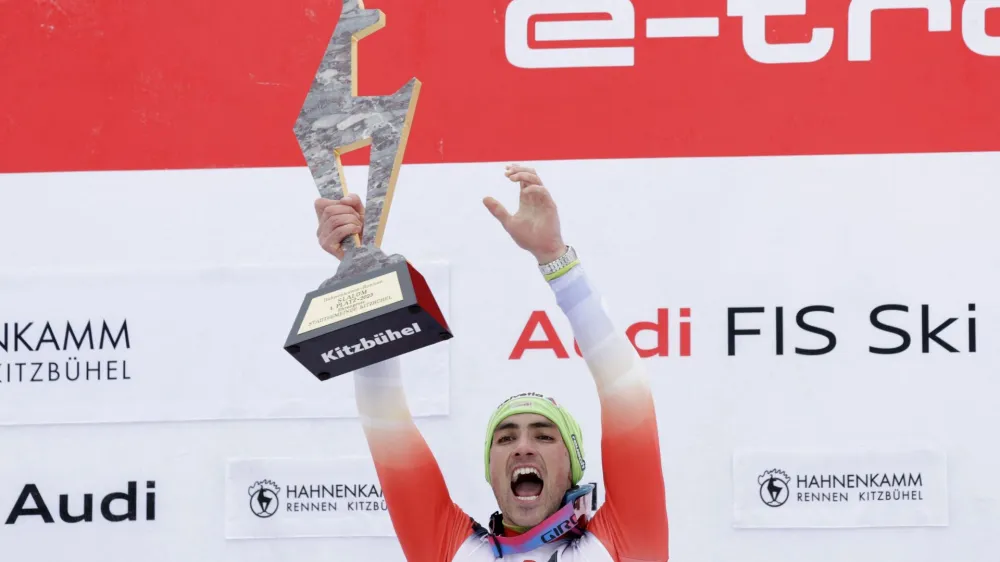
(534,448)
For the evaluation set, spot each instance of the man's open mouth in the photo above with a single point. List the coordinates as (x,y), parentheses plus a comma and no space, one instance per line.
(527,484)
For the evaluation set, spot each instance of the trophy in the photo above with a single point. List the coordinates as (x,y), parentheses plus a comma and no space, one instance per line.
(376,306)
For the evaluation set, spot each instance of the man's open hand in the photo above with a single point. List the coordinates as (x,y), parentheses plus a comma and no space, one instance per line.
(535,225)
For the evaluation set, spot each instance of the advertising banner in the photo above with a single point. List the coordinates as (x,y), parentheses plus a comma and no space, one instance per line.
(176,345)
(807,489)
(295,498)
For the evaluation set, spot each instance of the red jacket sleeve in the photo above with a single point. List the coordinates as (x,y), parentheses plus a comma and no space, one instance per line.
(428,524)
(632,522)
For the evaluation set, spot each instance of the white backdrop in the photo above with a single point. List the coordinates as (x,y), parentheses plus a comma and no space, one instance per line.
(850,232)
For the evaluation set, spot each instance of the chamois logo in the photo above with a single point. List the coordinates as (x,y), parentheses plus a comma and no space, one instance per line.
(774,487)
(264,498)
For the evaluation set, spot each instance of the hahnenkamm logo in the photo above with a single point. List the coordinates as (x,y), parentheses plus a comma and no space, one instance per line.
(264,498)
(41,340)
(380,338)
(774,487)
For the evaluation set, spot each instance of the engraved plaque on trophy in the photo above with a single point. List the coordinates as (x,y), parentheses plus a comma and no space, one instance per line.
(375,306)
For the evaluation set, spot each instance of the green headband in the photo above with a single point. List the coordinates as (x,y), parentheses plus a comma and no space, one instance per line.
(531,403)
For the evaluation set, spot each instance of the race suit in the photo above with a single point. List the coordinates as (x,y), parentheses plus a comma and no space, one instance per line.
(630,525)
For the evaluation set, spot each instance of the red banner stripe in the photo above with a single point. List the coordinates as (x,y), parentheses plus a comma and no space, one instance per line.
(101,84)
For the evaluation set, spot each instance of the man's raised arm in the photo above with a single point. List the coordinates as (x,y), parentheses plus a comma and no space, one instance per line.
(632,522)
(427,522)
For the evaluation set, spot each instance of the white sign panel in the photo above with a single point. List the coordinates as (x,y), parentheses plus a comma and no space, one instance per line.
(896,488)
(180,345)
(288,498)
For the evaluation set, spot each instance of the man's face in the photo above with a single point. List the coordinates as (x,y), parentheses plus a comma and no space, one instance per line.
(529,468)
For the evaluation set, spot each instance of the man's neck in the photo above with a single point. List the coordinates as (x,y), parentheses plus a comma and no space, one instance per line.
(511,529)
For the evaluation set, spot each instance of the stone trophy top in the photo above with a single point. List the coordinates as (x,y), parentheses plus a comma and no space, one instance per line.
(334,121)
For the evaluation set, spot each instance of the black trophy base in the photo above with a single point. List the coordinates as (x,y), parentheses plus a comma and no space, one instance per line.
(366,319)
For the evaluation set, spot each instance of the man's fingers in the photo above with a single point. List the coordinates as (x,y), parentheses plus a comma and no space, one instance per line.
(338,234)
(497,210)
(536,193)
(336,221)
(343,218)
(321,205)
(523,174)
(515,168)
(328,243)
(354,201)
(526,178)
(340,210)
(349,204)
(331,240)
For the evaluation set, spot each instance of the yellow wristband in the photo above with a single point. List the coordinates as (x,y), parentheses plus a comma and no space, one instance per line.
(562,270)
